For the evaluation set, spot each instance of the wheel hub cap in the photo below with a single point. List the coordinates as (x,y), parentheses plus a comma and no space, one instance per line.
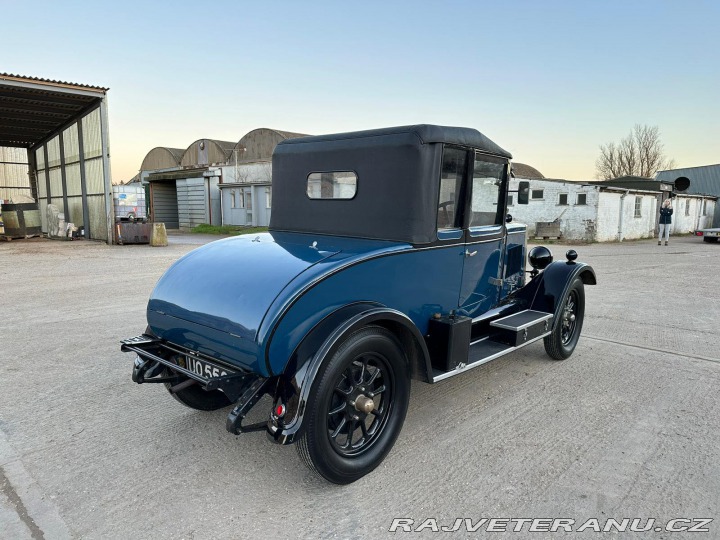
(364,404)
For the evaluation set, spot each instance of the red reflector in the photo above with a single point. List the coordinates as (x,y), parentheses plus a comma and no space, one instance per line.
(698,233)
(280,410)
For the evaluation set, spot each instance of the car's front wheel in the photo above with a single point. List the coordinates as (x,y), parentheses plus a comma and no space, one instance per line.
(561,343)
(357,406)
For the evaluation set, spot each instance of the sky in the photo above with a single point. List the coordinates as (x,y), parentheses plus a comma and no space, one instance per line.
(550,81)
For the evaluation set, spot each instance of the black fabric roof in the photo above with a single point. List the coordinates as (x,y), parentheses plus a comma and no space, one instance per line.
(398,180)
(33,109)
(425,132)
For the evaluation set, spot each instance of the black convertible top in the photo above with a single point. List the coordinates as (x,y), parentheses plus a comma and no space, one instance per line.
(426,133)
(398,181)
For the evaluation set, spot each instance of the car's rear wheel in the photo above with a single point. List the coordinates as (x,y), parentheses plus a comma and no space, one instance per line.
(561,343)
(195,397)
(357,407)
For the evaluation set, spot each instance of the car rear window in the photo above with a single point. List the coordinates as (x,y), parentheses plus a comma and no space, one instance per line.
(332,185)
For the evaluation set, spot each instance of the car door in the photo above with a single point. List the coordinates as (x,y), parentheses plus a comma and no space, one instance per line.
(484,235)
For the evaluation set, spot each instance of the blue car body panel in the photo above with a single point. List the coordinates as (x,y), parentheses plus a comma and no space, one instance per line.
(416,282)
(250,300)
(215,299)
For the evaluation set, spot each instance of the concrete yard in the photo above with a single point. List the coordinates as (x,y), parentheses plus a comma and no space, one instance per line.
(628,427)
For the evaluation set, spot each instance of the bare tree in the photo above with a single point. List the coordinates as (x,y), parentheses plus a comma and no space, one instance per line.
(641,153)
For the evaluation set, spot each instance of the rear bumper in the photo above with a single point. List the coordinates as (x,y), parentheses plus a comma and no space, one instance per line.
(243,388)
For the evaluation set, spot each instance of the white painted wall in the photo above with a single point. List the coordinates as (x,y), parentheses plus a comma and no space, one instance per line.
(610,219)
(577,221)
(260,172)
(691,213)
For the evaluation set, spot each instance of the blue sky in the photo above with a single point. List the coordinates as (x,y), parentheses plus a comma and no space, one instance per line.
(549,81)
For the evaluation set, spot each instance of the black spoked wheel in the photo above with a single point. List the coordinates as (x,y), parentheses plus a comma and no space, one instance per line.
(357,408)
(561,343)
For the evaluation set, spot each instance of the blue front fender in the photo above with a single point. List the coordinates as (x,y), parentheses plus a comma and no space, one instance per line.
(546,291)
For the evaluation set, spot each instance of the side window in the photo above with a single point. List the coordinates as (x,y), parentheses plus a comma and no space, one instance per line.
(487,192)
(582,199)
(563,199)
(454,165)
(537,194)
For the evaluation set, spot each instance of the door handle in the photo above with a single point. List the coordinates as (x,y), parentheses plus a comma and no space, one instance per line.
(469,253)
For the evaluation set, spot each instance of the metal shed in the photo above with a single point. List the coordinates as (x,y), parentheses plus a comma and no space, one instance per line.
(63,128)
(704,180)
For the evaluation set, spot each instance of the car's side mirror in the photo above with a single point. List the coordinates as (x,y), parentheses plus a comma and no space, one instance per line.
(508,218)
(523,193)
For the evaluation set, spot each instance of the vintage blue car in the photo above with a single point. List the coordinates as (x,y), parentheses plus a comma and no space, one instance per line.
(390,257)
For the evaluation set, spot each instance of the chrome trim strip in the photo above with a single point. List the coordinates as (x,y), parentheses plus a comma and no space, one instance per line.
(458,370)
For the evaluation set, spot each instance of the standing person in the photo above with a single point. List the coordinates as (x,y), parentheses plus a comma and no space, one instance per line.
(665,220)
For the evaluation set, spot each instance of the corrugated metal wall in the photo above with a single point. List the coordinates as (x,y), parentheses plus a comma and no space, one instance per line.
(165,204)
(80,188)
(192,202)
(14,179)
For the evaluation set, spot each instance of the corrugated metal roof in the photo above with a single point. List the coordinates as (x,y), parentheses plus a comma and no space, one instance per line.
(631,182)
(40,80)
(704,179)
(33,109)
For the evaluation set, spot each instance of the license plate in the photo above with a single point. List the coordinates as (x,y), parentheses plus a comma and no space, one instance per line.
(205,369)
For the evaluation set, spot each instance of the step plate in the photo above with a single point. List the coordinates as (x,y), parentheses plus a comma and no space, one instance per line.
(522,320)
(521,327)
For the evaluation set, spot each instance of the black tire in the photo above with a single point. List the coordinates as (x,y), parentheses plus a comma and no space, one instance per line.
(561,343)
(370,365)
(710,239)
(197,398)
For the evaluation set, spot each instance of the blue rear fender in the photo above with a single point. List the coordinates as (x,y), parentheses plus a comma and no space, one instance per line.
(295,385)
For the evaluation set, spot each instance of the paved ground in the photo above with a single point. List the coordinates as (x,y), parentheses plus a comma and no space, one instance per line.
(628,427)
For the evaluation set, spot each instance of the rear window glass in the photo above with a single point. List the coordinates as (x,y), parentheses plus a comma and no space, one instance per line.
(332,185)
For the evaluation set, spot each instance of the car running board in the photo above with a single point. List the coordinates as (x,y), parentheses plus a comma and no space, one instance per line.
(509,334)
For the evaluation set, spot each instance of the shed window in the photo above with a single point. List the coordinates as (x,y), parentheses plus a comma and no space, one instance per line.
(537,194)
(687,207)
(268,197)
(638,207)
(563,199)
(582,199)
(332,185)
(509,200)
(705,207)
(233,201)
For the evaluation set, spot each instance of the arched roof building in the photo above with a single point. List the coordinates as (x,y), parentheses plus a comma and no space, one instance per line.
(207,151)
(259,144)
(520,170)
(162,157)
